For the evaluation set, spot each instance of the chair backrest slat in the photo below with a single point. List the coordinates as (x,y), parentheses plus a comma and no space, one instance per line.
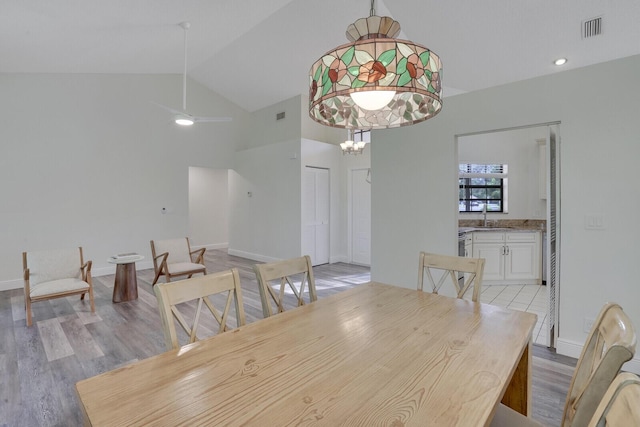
(449,267)
(285,272)
(225,286)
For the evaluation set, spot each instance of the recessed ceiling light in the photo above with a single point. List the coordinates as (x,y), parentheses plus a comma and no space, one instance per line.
(560,61)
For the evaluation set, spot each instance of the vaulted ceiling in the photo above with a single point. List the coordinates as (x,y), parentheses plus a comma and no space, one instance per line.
(258,52)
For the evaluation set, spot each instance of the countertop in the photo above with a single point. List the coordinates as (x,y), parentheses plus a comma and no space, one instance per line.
(502,225)
(497,229)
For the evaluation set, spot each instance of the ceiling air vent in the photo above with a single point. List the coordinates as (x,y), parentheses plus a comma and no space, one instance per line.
(592,27)
(280,116)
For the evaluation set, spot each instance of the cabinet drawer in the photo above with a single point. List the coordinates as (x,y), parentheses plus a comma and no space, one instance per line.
(522,237)
(488,236)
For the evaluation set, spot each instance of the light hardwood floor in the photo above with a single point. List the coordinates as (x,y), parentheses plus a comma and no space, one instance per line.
(39,366)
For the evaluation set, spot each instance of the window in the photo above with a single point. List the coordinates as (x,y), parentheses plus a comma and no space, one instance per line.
(361,135)
(482,185)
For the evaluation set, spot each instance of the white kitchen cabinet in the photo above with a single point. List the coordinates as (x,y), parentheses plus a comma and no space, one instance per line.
(468,242)
(494,260)
(510,257)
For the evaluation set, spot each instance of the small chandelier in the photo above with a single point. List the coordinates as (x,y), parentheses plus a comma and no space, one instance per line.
(376,81)
(351,147)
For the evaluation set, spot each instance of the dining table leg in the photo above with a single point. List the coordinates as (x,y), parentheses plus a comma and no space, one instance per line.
(518,393)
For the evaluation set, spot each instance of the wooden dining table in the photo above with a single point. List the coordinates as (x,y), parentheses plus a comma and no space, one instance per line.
(374,355)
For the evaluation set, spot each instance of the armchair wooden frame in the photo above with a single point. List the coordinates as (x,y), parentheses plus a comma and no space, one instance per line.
(473,269)
(56,287)
(201,288)
(282,271)
(161,264)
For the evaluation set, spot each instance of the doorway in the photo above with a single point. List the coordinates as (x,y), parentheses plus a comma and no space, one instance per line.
(315,214)
(209,207)
(533,184)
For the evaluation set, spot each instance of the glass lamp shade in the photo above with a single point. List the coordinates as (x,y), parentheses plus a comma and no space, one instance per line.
(375,62)
(350,147)
(372,100)
(183,120)
(346,145)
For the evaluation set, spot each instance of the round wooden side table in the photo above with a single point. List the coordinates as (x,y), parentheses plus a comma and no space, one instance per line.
(125,287)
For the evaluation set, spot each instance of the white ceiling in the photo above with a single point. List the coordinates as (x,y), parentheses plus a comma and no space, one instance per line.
(258,52)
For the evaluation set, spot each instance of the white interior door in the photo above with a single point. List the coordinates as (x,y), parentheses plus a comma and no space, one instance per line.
(360,217)
(315,214)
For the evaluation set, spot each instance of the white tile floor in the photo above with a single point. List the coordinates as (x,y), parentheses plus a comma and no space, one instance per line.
(529,298)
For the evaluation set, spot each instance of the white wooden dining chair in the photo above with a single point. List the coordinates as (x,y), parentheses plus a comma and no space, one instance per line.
(54,274)
(291,275)
(620,406)
(451,267)
(175,300)
(611,343)
(174,257)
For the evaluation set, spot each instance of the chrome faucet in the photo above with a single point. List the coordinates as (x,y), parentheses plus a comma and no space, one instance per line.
(484,215)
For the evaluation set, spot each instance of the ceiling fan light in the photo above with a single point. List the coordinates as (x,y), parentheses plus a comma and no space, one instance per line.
(184,121)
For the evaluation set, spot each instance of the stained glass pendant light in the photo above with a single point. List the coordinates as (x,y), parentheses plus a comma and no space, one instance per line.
(376,81)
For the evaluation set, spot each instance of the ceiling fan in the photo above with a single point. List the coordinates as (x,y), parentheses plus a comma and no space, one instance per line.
(182,117)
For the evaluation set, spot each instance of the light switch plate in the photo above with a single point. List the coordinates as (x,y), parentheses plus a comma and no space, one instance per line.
(594,222)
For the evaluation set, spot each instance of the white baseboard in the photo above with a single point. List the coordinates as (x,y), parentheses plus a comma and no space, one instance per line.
(569,348)
(249,255)
(573,349)
(338,258)
(211,246)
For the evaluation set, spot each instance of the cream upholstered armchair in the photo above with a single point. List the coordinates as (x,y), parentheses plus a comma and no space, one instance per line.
(174,257)
(54,274)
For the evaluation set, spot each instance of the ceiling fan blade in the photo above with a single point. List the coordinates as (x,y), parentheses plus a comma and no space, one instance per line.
(211,119)
(171,110)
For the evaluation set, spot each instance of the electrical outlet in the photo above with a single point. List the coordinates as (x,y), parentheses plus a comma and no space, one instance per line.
(587,324)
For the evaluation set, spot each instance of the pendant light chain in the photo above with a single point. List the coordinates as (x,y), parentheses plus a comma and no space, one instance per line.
(372,12)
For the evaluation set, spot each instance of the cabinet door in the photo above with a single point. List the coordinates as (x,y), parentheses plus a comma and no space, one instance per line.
(494,259)
(522,261)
